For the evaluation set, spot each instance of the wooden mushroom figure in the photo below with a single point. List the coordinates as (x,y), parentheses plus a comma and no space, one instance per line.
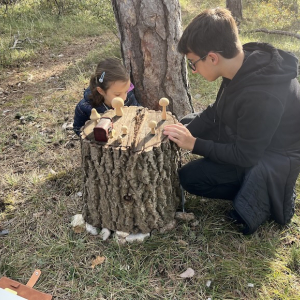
(94,116)
(152,124)
(124,129)
(117,103)
(164,102)
(119,139)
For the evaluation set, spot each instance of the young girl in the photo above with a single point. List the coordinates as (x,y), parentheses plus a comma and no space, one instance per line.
(109,81)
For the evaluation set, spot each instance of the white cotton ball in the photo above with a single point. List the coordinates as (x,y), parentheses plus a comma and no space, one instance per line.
(77,220)
(139,237)
(105,233)
(91,229)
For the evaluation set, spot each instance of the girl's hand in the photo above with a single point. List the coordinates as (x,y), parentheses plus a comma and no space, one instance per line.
(180,135)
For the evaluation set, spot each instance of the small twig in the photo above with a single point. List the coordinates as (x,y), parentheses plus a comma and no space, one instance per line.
(7,223)
(296,35)
(18,41)
(53,89)
(28,40)
(15,44)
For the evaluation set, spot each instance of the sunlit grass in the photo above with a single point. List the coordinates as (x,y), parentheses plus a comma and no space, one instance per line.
(191,8)
(276,14)
(40,186)
(35,27)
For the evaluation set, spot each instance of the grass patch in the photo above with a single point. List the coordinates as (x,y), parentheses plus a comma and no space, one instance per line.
(30,26)
(41,174)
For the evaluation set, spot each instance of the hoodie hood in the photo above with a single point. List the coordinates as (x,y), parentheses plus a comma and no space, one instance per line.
(264,64)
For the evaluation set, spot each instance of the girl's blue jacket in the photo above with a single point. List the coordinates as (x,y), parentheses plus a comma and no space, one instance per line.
(83,109)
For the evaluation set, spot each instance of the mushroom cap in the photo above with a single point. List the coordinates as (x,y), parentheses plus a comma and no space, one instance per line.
(163,102)
(152,124)
(124,128)
(117,102)
(94,115)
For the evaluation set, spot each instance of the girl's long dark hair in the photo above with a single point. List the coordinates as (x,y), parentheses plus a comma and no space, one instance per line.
(114,71)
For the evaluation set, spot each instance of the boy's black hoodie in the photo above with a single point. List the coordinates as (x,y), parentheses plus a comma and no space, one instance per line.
(260,106)
(257,117)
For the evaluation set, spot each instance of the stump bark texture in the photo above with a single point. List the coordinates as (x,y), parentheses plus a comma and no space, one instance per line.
(131,185)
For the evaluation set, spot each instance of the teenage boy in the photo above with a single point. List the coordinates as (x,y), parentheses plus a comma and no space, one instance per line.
(249,137)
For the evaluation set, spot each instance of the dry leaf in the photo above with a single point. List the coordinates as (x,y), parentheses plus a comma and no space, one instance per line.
(188,273)
(38,214)
(122,234)
(291,240)
(78,229)
(170,226)
(184,216)
(98,261)
(183,243)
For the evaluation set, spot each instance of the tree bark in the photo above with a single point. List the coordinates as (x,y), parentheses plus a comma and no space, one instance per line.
(236,8)
(149,34)
(131,185)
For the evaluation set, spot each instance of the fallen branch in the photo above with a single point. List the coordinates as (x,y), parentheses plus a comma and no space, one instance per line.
(15,44)
(19,41)
(296,35)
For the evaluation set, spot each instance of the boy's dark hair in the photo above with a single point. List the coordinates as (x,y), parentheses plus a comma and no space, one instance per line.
(212,30)
(114,71)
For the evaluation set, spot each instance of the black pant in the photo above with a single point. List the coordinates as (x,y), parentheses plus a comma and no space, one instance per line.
(206,178)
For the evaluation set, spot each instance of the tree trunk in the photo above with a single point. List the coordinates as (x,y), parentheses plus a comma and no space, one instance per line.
(236,8)
(296,7)
(149,34)
(131,184)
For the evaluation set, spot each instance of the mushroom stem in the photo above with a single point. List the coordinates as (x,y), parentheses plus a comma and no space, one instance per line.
(118,103)
(112,134)
(94,116)
(119,139)
(119,111)
(124,129)
(164,113)
(164,102)
(152,124)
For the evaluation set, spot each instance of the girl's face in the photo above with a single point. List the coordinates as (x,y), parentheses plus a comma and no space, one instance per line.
(117,89)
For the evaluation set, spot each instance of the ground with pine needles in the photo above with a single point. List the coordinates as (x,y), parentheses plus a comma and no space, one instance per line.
(41,181)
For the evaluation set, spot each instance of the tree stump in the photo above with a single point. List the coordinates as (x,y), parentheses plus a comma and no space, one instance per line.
(131,183)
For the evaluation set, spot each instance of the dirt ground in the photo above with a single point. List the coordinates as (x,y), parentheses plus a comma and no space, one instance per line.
(28,112)
(40,73)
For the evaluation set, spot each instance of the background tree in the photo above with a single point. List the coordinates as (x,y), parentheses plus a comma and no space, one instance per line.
(149,34)
(236,8)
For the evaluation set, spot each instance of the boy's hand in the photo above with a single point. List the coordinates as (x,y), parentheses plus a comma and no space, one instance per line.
(180,135)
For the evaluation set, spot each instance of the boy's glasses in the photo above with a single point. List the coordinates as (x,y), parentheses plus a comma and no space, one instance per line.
(192,65)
